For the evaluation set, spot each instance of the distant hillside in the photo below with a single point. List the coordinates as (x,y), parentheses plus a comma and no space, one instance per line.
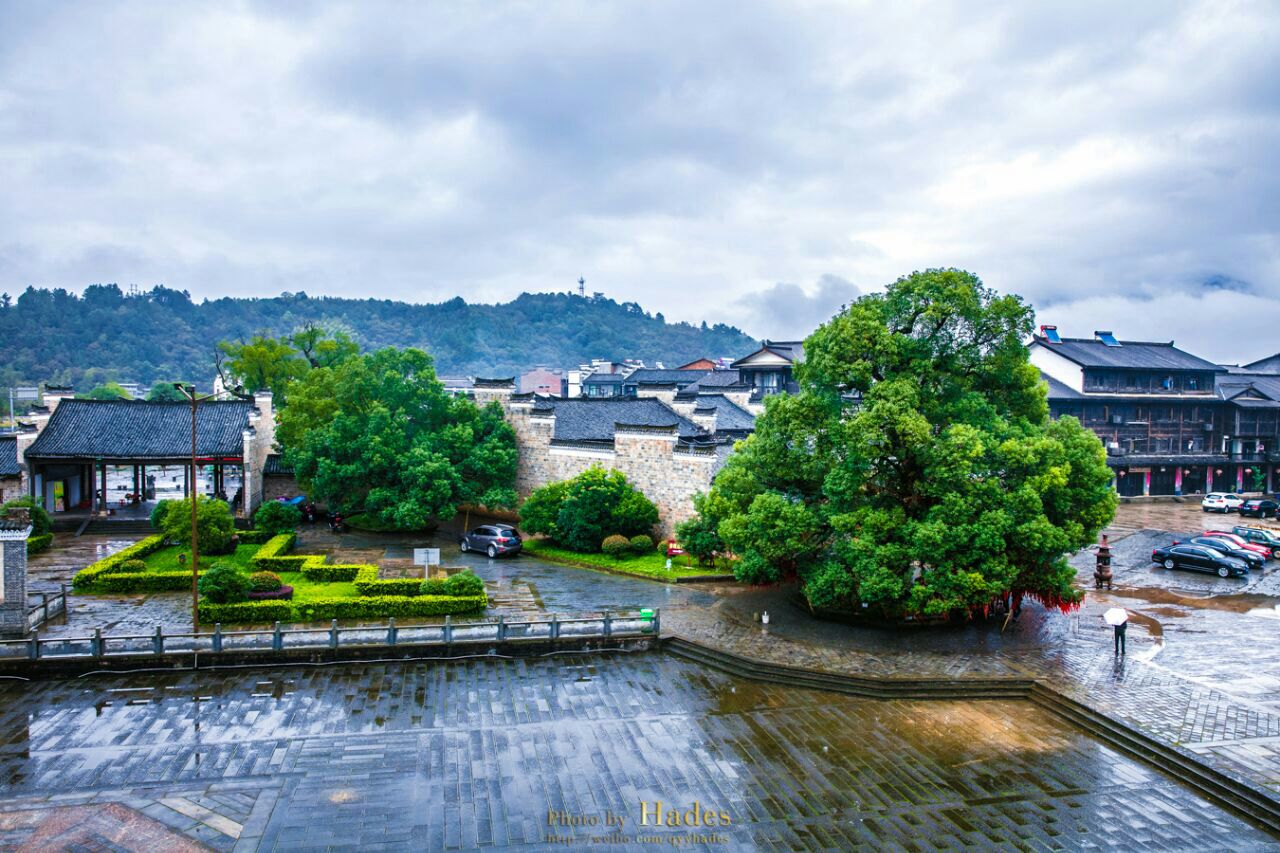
(57,336)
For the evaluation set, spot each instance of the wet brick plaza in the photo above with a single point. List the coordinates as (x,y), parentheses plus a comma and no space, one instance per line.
(461,756)
(431,756)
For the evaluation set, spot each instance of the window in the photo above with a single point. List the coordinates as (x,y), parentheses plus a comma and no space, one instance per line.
(1193,383)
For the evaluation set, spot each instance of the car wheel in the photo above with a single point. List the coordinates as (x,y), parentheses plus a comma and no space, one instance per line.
(493,551)
(1169,564)
(1224,572)
(464,547)
(1275,555)
(1204,508)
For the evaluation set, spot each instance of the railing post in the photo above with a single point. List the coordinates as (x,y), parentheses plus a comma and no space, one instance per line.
(33,646)
(502,629)
(333,634)
(391,631)
(44,607)
(555,626)
(277,639)
(657,614)
(157,642)
(608,624)
(217,637)
(97,642)
(448,630)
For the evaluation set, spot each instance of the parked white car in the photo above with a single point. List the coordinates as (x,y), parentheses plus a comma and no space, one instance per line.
(1223,502)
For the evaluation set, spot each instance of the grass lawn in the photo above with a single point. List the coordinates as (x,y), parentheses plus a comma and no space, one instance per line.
(166,559)
(652,565)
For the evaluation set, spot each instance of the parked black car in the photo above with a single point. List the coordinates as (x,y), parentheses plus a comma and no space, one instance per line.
(1199,559)
(1252,559)
(493,539)
(1259,508)
(1259,536)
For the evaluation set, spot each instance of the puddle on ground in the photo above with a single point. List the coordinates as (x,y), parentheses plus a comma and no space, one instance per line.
(1244,602)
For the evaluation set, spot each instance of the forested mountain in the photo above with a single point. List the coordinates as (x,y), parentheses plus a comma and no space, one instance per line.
(60,337)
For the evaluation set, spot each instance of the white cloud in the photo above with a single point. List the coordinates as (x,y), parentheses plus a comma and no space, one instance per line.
(1095,158)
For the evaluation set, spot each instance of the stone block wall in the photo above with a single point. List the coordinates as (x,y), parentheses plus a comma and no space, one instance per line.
(276,486)
(647,456)
(13,579)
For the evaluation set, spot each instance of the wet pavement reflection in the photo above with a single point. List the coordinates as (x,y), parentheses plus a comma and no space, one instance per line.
(494,752)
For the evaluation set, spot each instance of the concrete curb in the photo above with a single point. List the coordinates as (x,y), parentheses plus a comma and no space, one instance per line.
(1256,805)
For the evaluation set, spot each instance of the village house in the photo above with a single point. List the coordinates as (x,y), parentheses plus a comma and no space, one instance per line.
(1172,423)
(65,456)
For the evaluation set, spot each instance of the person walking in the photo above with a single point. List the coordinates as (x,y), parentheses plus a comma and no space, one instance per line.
(1120,631)
(1118,619)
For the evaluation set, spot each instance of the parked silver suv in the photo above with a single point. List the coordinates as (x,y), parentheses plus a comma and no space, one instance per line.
(493,539)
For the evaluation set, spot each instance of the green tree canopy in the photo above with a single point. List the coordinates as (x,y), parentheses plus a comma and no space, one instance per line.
(107,391)
(164,391)
(579,513)
(917,472)
(263,363)
(378,434)
(215,525)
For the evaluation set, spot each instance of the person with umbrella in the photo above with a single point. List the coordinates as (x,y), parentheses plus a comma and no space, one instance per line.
(1118,619)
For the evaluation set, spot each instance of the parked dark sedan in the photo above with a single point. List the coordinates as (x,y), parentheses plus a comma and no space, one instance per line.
(1259,508)
(1199,559)
(1259,536)
(1252,559)
(493,539)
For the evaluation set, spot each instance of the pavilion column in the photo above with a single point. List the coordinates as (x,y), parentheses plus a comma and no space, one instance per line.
(186,480)
(142,478)
(135,480)
(103,505)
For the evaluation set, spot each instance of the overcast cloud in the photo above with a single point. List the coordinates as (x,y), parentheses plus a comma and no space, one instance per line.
(759,164)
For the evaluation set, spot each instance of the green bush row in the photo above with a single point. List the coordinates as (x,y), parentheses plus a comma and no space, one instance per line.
(144,582)
(274,555)
(87,576)
(254,537)
(368,607)
(316,569)
(36,544)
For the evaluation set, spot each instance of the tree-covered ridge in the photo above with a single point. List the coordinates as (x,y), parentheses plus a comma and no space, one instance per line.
(106,335)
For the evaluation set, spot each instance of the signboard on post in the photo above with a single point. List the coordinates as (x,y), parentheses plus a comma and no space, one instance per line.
(426,556)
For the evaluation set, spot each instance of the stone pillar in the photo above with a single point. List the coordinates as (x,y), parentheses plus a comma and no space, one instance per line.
(15,527)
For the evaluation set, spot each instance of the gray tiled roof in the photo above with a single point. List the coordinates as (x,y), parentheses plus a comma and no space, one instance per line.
(603,379)
(9,456)
(1270,364)
(1059,391)
(595,420)
(135,429)
(1088,352)
(654,376)
(712,382)
(793,351)
(276,465)
(730,417)
(10,524)
(1232,384)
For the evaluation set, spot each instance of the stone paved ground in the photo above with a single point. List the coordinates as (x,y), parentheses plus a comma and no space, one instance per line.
(1203,671)
(476,754)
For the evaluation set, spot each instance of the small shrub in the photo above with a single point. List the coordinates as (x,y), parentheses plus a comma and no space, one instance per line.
(283,593)
(133,566)
(224,583)
(264,582)
(641,544)
(215,526)
(276,517)
(36,544)
(464,583)
(160,513)
(616,546)
(700,539)
(246,611)
(41,521)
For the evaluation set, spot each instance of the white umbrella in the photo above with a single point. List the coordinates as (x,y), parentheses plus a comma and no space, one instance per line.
(1115,616)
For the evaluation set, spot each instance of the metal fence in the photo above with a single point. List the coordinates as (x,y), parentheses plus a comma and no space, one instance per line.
(99,646)
(47,607)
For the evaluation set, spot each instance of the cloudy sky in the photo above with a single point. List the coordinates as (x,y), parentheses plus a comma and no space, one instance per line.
(1116,163)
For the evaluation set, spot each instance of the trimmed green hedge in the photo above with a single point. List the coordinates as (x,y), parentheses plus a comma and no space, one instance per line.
(36,544)
(368,607)
(91,573)
(247,611)
(253,537)
(144,582)
(316,569)
(271,557)
(382,606)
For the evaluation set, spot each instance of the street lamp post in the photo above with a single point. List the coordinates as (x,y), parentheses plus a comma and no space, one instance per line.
(189,391)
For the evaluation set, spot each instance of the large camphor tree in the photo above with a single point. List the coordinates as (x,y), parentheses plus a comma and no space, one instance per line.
(917,472)
(377,434)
